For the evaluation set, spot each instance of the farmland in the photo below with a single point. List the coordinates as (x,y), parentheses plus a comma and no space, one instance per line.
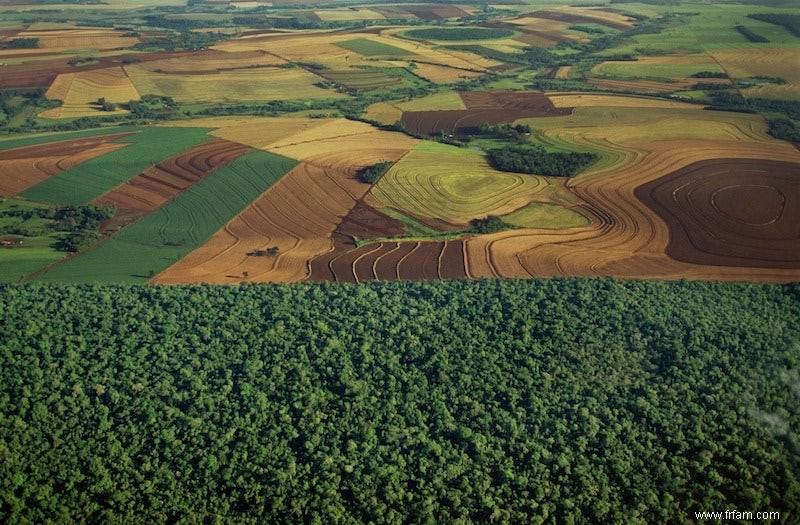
(166,235)
(379,262)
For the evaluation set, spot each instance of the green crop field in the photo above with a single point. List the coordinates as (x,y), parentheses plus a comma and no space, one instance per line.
(89,180)
(458,33)
(370,48)
(541,215)
(166,235)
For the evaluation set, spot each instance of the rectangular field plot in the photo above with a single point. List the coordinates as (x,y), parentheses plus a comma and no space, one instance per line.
(95,177)
(165,236)
(231,86)
(362,79)
(371,48)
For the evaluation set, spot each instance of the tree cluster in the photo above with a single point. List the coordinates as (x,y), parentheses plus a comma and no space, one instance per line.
(789,21)
(750,35)
(371,174)
(561,401)
(536,160)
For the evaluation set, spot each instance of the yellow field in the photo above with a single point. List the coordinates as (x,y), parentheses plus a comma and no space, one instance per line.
(383,112)
(80,91)
(773,62)
(454,184)
(348,14)
(231,86)
(443,74)
(599,16)
(211,62)
(343,144)
(581,100)
(437,101)
(72,39)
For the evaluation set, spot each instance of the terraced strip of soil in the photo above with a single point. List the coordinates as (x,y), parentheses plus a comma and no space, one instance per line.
(392,260)
(730,212)
(152,189)
(23,168)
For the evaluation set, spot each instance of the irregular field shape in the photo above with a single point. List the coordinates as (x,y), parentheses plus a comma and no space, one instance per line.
(730,212)
(232,86)
(383,113)
(297,215)
(453,184)
(437,101)
(89,180)
(773,62)
(22,168)
(150,190)
(67,39)
(166,235)
(362,78)
(80,91)
(542,215)
(348,14)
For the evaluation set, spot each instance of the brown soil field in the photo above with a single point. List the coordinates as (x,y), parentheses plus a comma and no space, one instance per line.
(163,182)
(730,212)
(435,12)
(392,260)
(298,214)
(365,222)
(23,168)
(494,107)
(627,238)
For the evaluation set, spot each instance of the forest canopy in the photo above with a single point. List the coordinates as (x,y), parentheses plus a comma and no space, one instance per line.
(543,401)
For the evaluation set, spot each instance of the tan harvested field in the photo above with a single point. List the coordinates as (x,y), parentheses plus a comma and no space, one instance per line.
(269,83)
(383,112)
(211,61)
(344,144)
(23,168)
(581,100)
(349,14)
(163,182)
(298,215)
(80,92)
(772,62)
(61,40)
(563,72)
(443,74)
(580,15)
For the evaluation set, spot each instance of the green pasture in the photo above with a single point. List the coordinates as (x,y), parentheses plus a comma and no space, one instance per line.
(168,234)
(543,215)
(90,179)
(655,71)
(708,26)
(35,251)
(370,48)
(456,34)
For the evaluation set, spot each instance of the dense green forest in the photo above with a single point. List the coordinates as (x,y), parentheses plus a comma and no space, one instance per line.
(544,401)
(536,160)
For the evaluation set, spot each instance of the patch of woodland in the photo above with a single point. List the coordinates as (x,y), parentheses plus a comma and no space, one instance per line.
(533,159)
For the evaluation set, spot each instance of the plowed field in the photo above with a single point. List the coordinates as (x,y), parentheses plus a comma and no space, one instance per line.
(150,190)
(297,215)
(22,168)
(731,212)
(413,260)
(494,107)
